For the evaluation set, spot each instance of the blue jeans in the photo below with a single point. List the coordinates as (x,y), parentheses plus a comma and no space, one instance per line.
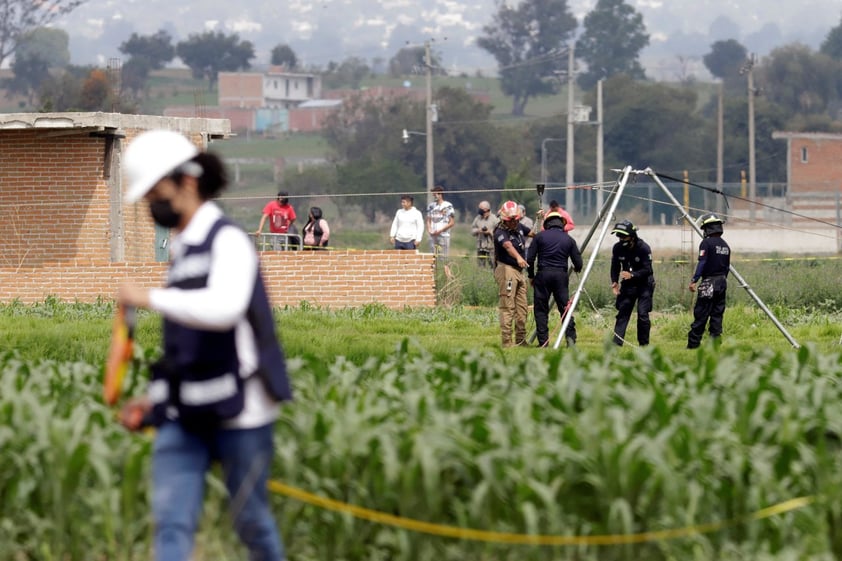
(404,245)
(179,463)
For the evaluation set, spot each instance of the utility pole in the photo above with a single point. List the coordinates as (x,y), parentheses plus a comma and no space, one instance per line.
(428,62)
(720,144)
(748,69)
(544,161)
(571,80)
(599,146)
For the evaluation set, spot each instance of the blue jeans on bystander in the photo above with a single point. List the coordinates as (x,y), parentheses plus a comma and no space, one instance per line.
(180,462)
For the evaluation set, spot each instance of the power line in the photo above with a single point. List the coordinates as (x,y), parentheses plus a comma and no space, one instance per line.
(752,201)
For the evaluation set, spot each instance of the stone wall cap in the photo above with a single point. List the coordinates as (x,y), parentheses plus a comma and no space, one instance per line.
(214,128)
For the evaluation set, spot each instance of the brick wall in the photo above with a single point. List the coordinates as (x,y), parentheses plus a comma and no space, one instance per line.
(822,172)
(332,279)
(65,231)
(54,199)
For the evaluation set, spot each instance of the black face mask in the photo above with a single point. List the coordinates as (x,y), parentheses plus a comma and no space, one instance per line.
(626,242)
(163,213)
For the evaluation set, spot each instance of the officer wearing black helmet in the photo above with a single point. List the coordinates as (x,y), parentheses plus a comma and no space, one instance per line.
(552,248)
(712,271)
(632,281)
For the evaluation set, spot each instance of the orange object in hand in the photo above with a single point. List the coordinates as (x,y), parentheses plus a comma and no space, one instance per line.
(120,353)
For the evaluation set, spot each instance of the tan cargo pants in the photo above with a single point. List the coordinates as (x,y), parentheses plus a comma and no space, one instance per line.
(511,283)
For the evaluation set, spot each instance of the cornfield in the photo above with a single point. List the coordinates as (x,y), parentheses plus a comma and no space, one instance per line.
(553,444)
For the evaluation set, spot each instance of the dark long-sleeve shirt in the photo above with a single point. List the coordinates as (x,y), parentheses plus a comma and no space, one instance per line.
(636,259)
(553,248)
(714,258)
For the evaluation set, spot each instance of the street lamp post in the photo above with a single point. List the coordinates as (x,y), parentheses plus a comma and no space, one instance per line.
(544,156)
(407,133)
(748,69)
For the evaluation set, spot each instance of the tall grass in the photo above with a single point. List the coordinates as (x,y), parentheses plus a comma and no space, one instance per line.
(771,278)
(80,332)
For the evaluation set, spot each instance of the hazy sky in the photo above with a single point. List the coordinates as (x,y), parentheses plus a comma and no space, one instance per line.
(334,29)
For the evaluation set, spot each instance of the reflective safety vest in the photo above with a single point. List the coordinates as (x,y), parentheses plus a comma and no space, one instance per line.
(198,381)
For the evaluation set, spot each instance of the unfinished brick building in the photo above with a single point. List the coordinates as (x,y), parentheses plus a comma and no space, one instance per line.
(66,232)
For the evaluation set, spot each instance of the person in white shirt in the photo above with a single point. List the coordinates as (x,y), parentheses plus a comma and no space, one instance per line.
(440,219)
(408,225)
(214,394)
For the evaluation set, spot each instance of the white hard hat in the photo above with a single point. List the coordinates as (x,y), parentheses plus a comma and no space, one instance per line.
(152,156)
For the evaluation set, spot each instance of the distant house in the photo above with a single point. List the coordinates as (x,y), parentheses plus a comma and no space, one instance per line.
(277,101)
(263,102)
(276,88)
(814,173)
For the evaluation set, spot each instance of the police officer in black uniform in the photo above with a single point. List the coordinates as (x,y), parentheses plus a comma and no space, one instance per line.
(552,247)
(712,270)
(632,281)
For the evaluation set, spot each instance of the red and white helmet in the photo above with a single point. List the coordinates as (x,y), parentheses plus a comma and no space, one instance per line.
(510,211)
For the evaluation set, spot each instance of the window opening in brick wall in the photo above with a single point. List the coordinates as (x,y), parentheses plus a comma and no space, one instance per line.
(803,154)
(162,240)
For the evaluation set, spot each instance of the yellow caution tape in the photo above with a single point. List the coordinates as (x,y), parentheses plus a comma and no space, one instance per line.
(528,539)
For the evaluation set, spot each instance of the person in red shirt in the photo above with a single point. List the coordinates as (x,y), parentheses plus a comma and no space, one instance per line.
(281,217)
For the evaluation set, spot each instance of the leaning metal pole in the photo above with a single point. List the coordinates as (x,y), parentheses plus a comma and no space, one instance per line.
(602,233)
(743,283)
(601,215)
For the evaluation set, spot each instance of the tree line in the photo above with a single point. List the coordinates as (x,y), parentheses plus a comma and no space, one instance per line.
(669,126)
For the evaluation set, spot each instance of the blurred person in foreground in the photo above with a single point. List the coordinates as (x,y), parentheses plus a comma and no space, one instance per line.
(214,395)
(552,248)
(510,256)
